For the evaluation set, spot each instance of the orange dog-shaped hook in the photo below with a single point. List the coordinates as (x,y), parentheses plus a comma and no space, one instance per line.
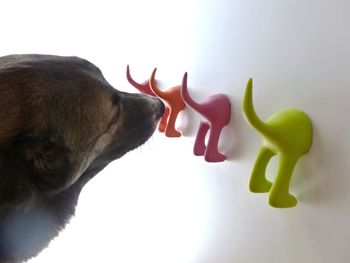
(171,97)
(146,89)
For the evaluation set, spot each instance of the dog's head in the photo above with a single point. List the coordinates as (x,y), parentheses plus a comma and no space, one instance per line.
(61,123)
(66,119)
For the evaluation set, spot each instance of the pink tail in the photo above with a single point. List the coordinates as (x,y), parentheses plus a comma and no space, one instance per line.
(186,96)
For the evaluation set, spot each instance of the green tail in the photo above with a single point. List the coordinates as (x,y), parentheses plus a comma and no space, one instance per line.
(250,114)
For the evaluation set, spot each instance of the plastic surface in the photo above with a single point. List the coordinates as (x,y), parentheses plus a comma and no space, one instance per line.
(174,102)
(143,88)
(146,89)
(287,134)
(216,113)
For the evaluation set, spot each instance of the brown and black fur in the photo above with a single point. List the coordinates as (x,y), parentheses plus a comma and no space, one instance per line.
(60,124)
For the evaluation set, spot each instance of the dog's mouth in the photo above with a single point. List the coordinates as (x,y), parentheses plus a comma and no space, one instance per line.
(138,125)
(138,135)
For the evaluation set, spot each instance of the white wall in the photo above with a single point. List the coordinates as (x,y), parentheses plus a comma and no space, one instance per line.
(190,211)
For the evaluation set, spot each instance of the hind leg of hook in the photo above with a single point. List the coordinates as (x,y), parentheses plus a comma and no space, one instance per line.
(199,145)
(258,182)
(212,153)
(170,130)
(279,194)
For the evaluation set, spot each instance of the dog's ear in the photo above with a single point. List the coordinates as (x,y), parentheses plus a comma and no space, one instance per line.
(33,165)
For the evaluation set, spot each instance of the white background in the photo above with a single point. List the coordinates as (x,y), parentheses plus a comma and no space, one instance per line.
(159,203)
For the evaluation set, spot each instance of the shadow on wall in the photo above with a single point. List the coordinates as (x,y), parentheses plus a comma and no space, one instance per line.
(233,132)
(321,176)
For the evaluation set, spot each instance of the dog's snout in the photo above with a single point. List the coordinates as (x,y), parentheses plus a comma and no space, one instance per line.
(156,106)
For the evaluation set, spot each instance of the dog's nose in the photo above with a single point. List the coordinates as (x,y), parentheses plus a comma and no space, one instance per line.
(155,105)
(160,109)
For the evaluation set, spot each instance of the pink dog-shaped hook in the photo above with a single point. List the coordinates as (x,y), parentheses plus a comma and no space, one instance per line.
(146,89)
(175,104)
(216,113)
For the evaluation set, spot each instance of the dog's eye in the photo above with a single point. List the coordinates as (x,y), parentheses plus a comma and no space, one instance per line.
(117,110)
(117,106)
(116,99)
(115,118)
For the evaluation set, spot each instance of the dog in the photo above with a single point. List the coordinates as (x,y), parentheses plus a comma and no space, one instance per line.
(61,123)
(288,134)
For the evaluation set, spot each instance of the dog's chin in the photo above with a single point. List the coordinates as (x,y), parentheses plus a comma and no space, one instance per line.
(147,132)
(142,134)
(138,136)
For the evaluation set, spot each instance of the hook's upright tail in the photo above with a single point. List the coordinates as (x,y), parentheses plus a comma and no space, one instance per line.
(250,114)
(154,86)
(186,96)
(143,88)
(132,81)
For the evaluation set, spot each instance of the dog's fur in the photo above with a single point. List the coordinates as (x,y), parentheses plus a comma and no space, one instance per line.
(60,124)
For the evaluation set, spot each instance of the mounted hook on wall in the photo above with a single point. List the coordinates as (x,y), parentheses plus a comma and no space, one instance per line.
(287,134)
(146,89)
(216,113)
(174,102)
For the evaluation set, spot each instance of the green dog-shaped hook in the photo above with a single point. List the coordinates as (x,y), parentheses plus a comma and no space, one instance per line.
(287,134)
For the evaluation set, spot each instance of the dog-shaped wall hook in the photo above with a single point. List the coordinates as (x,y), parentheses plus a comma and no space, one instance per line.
(174,103)
(216,113)
(146,89)
(288,134)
